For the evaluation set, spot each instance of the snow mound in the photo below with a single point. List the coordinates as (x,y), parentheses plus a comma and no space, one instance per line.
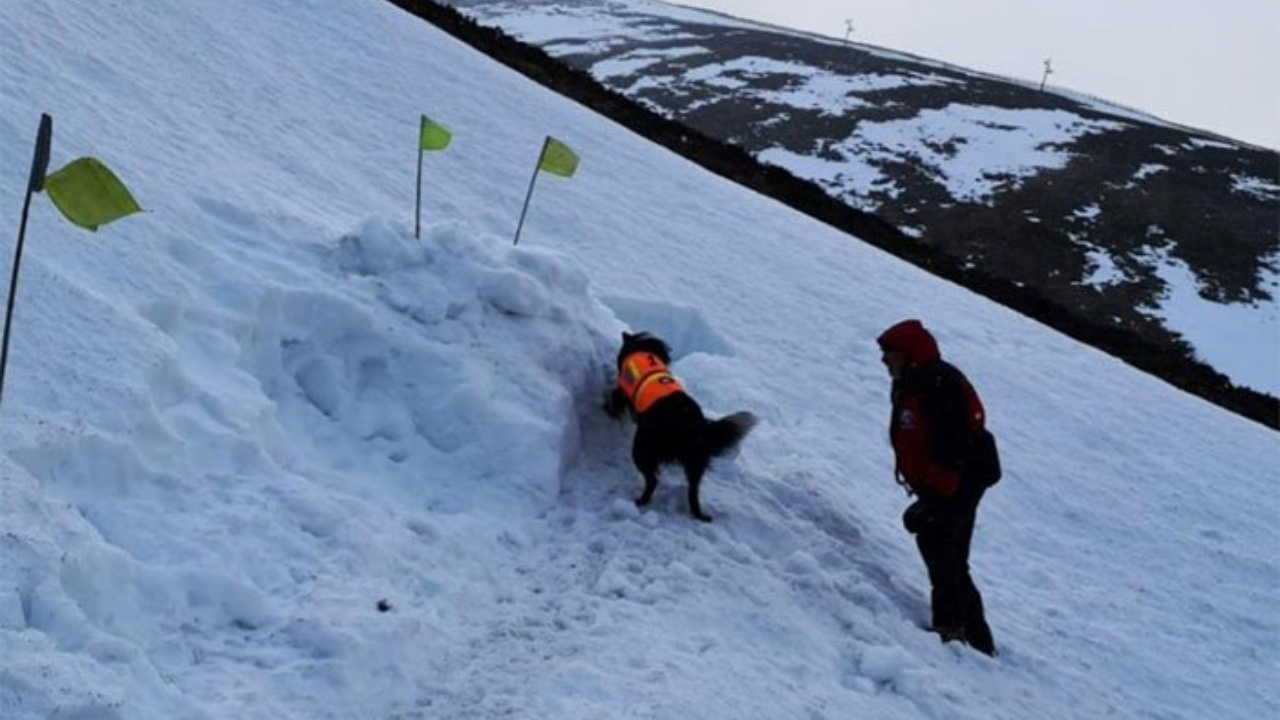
(400,387)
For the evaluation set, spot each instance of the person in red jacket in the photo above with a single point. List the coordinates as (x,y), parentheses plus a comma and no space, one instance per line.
(947,459)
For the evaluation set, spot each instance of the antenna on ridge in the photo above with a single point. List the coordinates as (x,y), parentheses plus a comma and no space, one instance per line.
(848,28)
(1048,70)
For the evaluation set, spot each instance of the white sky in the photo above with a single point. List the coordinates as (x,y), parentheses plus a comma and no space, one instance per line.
(1209,65)
(236,422)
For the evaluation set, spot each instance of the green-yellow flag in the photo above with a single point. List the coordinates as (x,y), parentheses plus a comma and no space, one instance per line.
(89,194)
(433,136)
(557,158)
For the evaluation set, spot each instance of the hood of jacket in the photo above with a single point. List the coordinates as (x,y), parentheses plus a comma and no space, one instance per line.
(910,338)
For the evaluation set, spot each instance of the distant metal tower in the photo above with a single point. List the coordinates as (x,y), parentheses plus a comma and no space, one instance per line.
(848,29)
(1048,70)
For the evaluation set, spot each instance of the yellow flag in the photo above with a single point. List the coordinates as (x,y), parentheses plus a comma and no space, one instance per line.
(89,194)
(433,136)
(557,158)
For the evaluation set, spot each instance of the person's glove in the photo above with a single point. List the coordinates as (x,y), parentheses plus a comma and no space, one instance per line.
(917,516)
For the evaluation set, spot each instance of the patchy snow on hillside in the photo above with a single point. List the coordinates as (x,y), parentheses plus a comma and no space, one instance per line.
(975,153)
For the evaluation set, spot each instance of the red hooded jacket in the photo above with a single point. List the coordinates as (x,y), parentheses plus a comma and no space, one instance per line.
(935,411)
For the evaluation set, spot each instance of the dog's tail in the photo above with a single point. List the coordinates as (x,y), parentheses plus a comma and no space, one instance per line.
(724,434)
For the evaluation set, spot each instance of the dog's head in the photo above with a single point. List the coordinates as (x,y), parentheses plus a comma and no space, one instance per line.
(643,342)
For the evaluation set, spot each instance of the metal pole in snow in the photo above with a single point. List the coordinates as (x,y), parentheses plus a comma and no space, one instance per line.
(417,205)
(39,164)
(529,194)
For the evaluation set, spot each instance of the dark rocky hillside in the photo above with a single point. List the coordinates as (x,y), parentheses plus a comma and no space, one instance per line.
(1113,187)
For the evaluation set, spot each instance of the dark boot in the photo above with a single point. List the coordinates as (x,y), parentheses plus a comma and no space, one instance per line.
(980,639)
(977,632)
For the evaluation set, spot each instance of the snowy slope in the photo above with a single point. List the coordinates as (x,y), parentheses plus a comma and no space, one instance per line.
(1126,219)
(237,422)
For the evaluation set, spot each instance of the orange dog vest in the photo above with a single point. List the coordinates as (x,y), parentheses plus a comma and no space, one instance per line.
(644,379)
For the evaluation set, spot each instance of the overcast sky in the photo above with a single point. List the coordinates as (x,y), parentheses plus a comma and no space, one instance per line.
(1210,65)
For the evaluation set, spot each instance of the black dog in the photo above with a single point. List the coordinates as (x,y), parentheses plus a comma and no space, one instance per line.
(670,426)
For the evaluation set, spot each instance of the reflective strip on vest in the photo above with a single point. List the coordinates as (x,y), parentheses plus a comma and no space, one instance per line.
(644,379)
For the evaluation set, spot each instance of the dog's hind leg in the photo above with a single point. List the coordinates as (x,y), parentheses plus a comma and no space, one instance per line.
(693,472)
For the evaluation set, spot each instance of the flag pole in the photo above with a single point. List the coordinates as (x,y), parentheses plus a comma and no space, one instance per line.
(537,166)
(39,164)
(417,206)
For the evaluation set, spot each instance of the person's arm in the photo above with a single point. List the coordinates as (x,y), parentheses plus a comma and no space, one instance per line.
(947,411)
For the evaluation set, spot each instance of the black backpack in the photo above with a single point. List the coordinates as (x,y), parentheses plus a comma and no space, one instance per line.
(983,463)
(983,459)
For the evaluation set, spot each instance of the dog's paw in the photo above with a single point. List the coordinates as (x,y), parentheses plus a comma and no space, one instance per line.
(614,405)
(642,501)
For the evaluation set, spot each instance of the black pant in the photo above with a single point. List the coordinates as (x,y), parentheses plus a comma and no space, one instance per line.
(944,546)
